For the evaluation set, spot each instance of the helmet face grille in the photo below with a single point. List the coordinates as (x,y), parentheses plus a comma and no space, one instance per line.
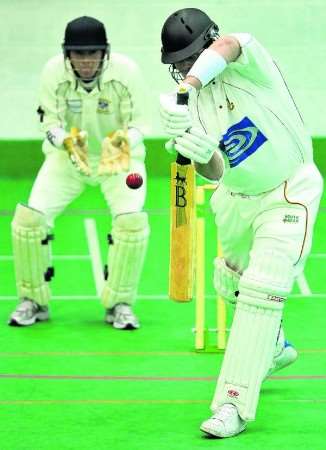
(175,74)
(185,32)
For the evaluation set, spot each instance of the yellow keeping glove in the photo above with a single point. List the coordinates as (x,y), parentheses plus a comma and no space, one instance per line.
(115,155)
(76,146)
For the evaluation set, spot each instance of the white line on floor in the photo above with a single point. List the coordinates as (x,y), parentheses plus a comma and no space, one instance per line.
(303,285)
(94,250)
(318,255)
(148,297)
(80,257)
(56,257)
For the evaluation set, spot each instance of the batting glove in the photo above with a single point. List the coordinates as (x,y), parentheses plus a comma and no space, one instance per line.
(175,118)
(196,145)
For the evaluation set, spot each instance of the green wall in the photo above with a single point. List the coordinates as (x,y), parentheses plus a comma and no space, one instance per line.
(29,156)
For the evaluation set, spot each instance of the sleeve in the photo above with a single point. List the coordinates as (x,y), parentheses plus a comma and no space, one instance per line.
(134,106)
(254,63)
(52,107)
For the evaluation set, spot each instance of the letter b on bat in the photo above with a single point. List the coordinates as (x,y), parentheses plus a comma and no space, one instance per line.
(180,197)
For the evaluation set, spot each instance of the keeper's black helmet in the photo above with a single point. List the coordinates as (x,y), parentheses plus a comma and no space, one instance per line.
(85,33)
(186,32)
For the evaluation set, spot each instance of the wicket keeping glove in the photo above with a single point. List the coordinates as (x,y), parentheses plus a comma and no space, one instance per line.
(115,155)
(76,145)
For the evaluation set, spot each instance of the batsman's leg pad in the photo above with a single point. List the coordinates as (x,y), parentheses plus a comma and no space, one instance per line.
(126,257)
(31,252)
(226,280)
(249,354)
(254,331)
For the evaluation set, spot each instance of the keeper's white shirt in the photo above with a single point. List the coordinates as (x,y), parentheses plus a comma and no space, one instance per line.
(117,101)
(249,108)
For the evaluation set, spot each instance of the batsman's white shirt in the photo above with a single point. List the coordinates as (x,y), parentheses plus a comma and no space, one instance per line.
(117,101)
(249,109)
(269,195)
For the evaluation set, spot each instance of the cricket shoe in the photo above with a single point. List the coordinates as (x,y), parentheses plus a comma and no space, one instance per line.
(122,317)
(286,357)
(27,313)
(226,422)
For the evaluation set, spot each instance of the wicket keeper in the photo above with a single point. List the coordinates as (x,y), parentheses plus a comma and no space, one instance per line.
(92,114)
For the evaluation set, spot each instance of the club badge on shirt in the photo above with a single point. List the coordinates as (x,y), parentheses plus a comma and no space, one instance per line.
(241,140)
(103,105)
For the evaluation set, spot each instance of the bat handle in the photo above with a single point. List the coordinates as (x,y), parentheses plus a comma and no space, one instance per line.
(182,99)
(182,160)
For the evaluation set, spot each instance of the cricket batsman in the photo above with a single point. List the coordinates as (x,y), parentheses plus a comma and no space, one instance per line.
(243,129)
(93,117)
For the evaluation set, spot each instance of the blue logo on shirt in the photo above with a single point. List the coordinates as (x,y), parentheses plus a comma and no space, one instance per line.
(241,140)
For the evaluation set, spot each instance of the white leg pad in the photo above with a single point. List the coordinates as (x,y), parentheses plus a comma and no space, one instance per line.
(254,332)
(226,280)
(126,258)
(248,355)
(31,252)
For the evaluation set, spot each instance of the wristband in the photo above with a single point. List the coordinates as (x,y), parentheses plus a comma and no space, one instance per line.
(56,136)
(135,137)
(208,65)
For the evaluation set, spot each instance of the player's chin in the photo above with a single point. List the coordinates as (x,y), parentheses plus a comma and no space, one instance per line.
(86,74)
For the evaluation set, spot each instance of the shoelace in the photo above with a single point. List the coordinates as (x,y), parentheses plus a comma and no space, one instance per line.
(123,310)
(25,305)
(225,412)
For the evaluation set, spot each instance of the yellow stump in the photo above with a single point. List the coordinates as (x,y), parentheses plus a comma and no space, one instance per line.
(201,331)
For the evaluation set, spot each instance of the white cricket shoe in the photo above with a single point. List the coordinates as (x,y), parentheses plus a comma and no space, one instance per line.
(226,422)
(122,317)
(27,313)
(286,357)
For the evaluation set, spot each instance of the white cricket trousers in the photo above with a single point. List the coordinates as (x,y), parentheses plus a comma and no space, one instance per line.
(58,183)
(280,221)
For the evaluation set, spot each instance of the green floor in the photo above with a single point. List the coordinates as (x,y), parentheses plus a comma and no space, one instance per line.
(74,383)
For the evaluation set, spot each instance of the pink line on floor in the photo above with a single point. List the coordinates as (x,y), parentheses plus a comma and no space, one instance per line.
(142,378)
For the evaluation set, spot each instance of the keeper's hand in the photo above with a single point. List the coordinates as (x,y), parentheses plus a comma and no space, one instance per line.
(175,118)
(115,157)
(196,145)
(76,145)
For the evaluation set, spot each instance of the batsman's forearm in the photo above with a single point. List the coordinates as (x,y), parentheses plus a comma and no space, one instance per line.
(213,170)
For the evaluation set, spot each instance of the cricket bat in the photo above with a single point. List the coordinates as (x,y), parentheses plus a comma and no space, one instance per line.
(182,225)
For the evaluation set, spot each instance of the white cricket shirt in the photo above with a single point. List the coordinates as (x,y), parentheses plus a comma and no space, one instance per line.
(250,110)
(116,102)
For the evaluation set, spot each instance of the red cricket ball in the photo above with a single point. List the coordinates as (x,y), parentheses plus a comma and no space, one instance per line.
(134,180)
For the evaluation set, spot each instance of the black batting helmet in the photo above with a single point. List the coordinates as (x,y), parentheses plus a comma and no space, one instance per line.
(184,33)
(85,33)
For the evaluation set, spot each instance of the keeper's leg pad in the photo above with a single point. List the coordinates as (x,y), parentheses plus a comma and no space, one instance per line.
(226,280)
(31,252)
(126,257)
(254,331)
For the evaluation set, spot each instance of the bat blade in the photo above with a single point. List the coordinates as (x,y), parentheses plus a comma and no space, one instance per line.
(182,230)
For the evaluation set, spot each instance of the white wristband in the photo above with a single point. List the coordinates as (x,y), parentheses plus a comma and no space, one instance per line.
(135,137)
(56,136)
(208,65)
